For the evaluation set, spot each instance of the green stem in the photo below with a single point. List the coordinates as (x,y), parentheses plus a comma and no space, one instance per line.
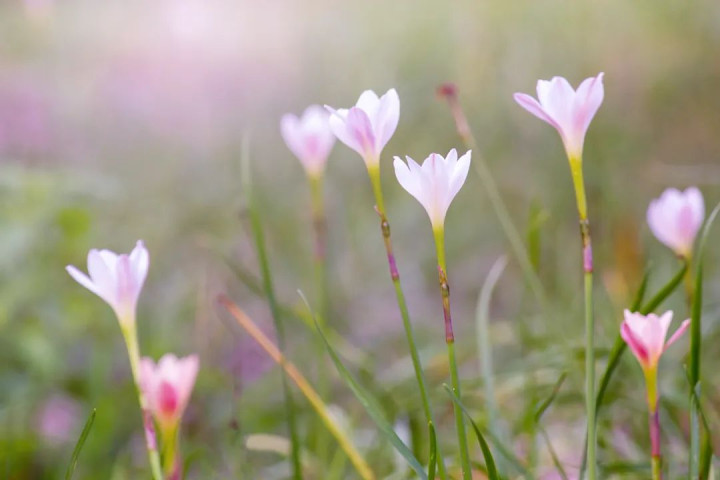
(439,234)
(319,223)
(268,288)
(320,256)
(374,173)
(130,334)
(171,464)
(587,254)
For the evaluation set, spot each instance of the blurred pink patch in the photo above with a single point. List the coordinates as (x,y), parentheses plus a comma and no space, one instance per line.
(25,118)
(58,420)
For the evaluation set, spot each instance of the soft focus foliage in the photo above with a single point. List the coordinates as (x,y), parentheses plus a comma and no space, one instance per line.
(124,120)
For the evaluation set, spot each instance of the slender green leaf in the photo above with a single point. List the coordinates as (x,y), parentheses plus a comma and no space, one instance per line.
(484,345)
(487,454)
(372,407)
(640,294)
(432,464)
(553,455)
(695,347)
(79,445)
(548,401)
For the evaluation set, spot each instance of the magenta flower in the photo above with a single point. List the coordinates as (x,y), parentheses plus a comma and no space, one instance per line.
(435,183)
(368,126)
(569,111)
(167,386)
(676,217)
(309,137)
(117,279)
(645,335)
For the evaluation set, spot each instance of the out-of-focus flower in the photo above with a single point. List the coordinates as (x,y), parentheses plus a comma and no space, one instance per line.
(569,111)
(117,279)
(167,386)
(435,183)
(368,126)
(676,217)
(645,335)
(58,419)
(309,137)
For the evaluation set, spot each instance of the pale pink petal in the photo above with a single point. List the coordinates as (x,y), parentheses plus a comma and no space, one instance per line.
(636,346)
(140,263)
(103,275)
(459,174)
(532,106)
(588,98)
(386,118)
(361,130)
(678,333)
(369,103)
(290,131)
(82,279)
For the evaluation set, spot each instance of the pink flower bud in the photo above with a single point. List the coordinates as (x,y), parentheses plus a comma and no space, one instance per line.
(309,137)
(569,111)
(167,386)
(435,183)
(676,217)
(117,279)
(645,335)
(368,126)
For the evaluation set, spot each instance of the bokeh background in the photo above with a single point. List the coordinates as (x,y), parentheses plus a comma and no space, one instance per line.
(124,120)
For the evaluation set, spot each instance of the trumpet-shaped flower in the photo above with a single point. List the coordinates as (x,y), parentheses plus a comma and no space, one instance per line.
(645,335)
(309,137)
(434,183)
(569,111)
(117,279)
(368,126)
(676,217)
(167,386)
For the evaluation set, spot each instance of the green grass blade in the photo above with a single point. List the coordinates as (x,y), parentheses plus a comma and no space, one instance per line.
(487,454)
(482,319)
(695,347)
(664,292)
(372,407)
(432,463)
(79,445)
(548,401)
(269,289)
(553,454)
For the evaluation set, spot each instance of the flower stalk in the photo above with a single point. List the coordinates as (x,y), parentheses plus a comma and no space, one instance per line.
(374,173)
(439,234)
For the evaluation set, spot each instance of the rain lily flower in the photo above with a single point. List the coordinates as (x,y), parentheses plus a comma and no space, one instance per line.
(434,183)
(368,126)
(117,279)
(676,217)
(569,111)
(645,335)
(309,138)
(167,386)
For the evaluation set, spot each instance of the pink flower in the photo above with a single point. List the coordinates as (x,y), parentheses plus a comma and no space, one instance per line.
(368,126)
(568,110)
(309,137)
(167,386)
(117,279)
(645,335)
(435,183)
(676,217)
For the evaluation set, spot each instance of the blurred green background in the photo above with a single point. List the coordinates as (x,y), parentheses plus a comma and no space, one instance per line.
(124,120)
